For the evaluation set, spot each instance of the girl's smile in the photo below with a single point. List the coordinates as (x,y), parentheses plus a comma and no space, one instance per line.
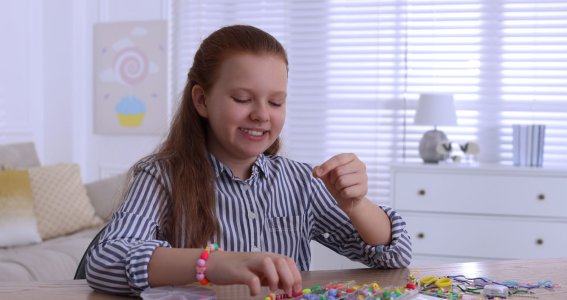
(254,134)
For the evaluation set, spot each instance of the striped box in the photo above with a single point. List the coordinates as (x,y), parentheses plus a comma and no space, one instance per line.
(528,142)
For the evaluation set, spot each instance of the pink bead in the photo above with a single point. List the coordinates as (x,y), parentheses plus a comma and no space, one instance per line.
(201,262)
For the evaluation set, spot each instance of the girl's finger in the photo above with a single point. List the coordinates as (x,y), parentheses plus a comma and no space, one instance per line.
(332,163)
(353,192)
(252,281)
(285,275)
(348,181)
(349,168)
(296,275)
(270,273)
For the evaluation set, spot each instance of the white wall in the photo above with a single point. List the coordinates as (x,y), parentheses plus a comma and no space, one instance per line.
(46,81)
(21,72)
(106,154)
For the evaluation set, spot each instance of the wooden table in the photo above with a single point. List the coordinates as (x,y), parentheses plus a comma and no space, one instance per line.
(519,270)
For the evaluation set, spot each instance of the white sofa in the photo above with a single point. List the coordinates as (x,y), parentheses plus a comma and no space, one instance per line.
(56,258)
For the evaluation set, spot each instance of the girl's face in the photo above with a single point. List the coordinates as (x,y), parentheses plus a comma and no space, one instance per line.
(245,107)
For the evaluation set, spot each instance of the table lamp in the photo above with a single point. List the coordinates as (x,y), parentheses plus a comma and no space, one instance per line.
(435,109)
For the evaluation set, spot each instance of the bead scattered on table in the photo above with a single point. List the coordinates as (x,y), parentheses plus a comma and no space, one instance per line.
(445,287)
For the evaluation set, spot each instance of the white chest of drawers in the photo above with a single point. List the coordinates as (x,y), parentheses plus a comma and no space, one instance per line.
(458,213)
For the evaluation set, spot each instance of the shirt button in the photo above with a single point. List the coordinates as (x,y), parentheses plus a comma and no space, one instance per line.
(244,187)
(255,249)
(326,235)
(252,215)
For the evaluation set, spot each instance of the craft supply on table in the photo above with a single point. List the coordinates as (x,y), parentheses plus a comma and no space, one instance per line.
(426,288)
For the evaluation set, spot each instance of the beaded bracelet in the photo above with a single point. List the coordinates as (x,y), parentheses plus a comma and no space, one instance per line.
(202,261)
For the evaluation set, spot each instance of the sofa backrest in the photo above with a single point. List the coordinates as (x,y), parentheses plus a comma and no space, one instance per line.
(106,194)
(19,155)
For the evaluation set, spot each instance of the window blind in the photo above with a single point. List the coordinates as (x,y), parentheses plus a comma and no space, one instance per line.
(357,69)
(533,74)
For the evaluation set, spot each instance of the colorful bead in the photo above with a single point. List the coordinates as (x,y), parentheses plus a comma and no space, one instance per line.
(350,290)
(296,294)
(333,292)
(201,262)
(200,266)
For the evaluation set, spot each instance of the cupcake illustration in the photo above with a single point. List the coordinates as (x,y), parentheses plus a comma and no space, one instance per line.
(131,111)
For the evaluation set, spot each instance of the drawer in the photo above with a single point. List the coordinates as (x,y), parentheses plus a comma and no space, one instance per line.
(485,237)
(481,194)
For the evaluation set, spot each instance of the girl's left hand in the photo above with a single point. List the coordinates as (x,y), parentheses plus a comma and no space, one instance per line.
(345,177)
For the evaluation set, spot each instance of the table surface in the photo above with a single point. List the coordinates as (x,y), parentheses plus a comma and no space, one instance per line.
(516,270)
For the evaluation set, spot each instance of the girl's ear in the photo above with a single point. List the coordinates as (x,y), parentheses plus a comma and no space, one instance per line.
(198,97)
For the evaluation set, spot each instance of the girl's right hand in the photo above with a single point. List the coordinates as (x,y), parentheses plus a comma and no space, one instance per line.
(255,269)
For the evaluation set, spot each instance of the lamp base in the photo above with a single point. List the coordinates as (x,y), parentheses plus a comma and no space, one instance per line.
(428,146)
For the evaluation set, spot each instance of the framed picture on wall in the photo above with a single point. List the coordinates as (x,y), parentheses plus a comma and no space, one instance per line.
(130,77)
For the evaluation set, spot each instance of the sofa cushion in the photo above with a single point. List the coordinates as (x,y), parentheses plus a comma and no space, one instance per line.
(18,224)
(55,259)
(60,200)
(19,155)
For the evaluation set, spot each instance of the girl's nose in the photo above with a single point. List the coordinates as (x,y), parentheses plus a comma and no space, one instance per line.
(260,113)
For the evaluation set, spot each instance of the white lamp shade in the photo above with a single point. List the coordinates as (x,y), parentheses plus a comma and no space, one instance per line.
(436,109)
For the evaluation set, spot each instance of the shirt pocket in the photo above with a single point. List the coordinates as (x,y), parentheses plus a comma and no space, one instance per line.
(284,224)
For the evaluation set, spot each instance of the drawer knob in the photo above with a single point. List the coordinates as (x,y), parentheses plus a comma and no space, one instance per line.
(421,192)
(539,241)
(541,197)
(421,235)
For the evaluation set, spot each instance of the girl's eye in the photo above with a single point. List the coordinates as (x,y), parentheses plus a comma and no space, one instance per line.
(239,100)
(276,104)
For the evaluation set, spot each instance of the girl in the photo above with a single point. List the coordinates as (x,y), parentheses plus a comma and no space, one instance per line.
(217,178)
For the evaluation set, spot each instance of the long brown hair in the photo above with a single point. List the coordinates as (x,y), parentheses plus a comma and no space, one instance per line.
(185,147)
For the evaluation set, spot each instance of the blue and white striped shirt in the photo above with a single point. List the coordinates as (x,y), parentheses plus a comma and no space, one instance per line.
(279,209)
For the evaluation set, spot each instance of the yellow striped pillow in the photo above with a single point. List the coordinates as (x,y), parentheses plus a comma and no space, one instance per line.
(18,224)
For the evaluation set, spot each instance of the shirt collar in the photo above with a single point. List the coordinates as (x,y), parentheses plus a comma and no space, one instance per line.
(259,166)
